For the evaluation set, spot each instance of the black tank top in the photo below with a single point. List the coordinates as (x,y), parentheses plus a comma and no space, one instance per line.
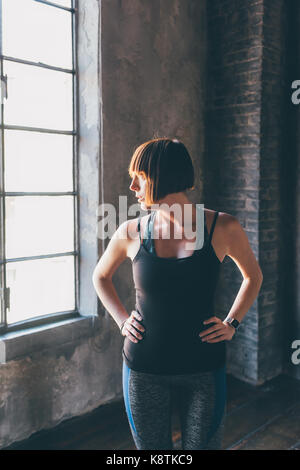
(174,296)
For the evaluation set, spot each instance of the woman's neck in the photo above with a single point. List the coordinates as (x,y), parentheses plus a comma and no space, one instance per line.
(177,211)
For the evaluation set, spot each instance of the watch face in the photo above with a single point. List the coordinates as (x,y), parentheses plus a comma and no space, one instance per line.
(235,323)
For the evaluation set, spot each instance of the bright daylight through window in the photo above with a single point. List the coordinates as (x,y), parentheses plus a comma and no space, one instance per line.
(38,184)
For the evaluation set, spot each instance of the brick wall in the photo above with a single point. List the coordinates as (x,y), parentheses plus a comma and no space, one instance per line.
(246,134)
(290,179)
(271,201)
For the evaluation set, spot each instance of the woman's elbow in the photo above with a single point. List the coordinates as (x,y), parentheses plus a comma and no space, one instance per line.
(259,278)
(98,276)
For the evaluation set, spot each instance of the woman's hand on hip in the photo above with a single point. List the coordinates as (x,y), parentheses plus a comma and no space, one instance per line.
(130,326)
(221,331)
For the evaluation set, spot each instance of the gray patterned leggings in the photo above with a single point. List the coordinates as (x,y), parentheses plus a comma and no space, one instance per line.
(201,401)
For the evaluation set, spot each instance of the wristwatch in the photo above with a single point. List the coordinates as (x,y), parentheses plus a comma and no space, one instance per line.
(233,322)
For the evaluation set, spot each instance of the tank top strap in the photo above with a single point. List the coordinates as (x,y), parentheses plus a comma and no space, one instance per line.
(139,227)
(150,226)
(213,227)
(147,238)
(151,231)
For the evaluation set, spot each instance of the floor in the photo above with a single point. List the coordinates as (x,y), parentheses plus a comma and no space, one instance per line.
(265,417)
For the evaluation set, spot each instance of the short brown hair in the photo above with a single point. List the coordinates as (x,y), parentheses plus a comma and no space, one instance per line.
(167,166)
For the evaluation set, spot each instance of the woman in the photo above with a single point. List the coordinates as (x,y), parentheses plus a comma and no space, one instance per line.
(174,342)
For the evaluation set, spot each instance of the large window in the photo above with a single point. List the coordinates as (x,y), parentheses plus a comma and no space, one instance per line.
(38,164)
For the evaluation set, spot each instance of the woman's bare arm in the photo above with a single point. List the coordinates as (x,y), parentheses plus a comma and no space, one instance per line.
(239,250)
(113,256)
(237,247)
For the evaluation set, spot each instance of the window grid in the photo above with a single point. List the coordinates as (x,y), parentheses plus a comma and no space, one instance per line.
(53,317)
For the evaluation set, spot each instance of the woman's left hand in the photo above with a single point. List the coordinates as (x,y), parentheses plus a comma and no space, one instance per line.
(219,332)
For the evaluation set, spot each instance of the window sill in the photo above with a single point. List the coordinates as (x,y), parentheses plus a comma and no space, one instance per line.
(16,344)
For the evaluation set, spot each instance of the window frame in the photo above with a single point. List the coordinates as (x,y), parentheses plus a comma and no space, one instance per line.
(47,319)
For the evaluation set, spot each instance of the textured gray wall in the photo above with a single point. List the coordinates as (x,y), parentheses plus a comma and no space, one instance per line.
(153,80)
(46,387)
(153,69)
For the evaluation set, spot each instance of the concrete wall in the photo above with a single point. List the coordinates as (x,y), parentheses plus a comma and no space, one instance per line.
(141,70)
(153,56)
(45,387)
(153,82)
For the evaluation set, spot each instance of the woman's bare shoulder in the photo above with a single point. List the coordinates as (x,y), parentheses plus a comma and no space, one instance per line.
(227,228)
(224,219)
(228,221)
(226,225)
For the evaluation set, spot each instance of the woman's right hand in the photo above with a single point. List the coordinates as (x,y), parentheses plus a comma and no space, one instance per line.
(130,325)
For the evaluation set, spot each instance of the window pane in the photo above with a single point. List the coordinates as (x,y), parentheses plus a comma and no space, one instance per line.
(35,23)
(37,225)
(38,162)
(39,287)
(38,97)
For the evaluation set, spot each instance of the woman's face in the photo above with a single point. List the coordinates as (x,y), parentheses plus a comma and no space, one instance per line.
(138,184)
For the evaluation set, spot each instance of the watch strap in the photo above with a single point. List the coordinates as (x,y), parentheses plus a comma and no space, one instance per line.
(233,322)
